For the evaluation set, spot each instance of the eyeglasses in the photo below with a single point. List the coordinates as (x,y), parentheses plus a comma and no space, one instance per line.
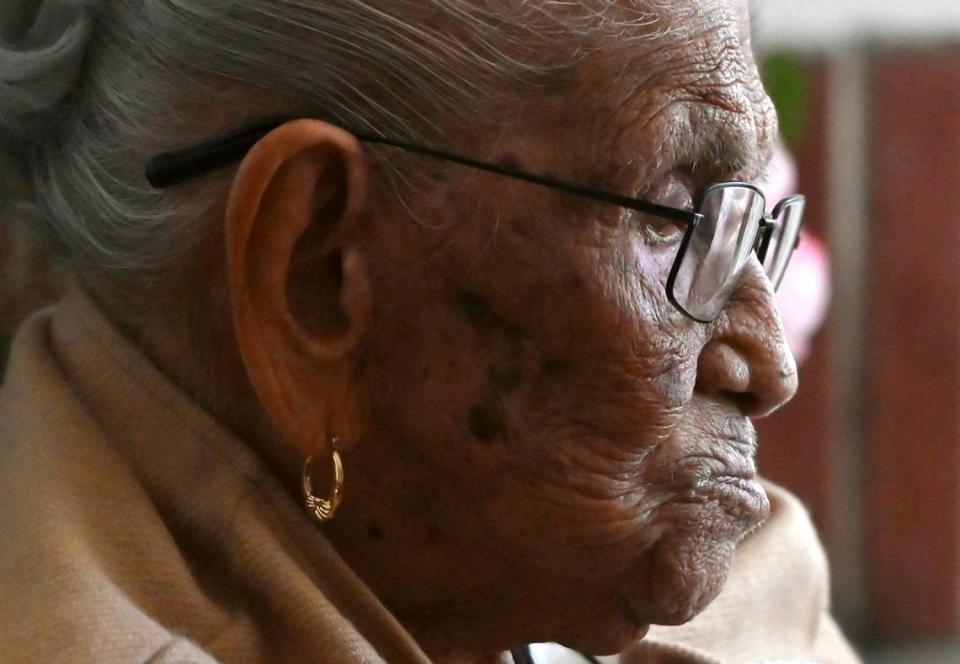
(727,224)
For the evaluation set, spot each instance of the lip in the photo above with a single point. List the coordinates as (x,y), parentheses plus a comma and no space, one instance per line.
(730,474)
(746,484)
(732,465)
(744,496)
(727,474)
(736,468)
(738,506)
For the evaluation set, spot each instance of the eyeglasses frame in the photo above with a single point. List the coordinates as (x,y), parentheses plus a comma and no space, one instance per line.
(766,226)
(169,169)
(769,225)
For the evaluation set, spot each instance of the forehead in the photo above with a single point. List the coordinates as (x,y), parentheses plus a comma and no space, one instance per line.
(627,31)
(688,70)
(677,18)
(599,69)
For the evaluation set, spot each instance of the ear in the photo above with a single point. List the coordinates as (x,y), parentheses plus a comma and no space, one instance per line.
(299,287)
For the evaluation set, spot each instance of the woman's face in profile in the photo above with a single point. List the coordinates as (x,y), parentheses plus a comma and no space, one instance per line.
(546,430)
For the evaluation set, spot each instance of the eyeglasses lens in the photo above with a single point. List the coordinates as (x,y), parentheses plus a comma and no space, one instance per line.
(718,249)
(788,222)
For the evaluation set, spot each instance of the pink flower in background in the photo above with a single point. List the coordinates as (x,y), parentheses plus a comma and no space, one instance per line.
(781,179)
(804,294)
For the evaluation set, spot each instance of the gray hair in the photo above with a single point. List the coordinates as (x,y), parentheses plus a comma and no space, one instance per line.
(89,91)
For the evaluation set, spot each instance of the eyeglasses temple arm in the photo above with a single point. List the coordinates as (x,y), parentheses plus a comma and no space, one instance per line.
(173,168)
(674,214)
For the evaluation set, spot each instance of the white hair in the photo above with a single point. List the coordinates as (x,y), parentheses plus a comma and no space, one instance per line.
(90,91)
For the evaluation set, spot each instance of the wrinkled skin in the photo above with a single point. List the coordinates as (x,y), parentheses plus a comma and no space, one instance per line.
(553,452)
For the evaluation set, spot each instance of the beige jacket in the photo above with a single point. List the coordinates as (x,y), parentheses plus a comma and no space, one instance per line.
(135,528)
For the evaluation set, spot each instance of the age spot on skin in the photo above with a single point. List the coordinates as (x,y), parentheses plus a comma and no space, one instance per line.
(361,366)
(478,312)
(554,366)
(573,281)
(486,421)
(515,335)
(506,379)
(523,229)
(374,531)
(482,317)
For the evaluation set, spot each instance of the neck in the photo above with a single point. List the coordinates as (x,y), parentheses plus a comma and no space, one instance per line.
(457,640)
(448,655)
(193,346)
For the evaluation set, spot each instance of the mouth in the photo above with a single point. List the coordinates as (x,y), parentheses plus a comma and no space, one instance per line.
(716,503)
(734,489)
(742,497)
(725,474)
(711,501)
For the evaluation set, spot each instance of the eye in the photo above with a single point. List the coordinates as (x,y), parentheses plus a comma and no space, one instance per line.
(662,232)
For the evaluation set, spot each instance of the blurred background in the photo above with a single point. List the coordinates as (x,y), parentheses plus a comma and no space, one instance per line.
(869,99)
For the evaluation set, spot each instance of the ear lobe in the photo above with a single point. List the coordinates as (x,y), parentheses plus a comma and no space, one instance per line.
(300,293)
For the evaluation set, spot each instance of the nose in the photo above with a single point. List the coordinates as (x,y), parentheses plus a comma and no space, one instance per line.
(746,359)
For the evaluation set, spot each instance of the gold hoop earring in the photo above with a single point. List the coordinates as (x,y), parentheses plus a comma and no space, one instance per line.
(323,509)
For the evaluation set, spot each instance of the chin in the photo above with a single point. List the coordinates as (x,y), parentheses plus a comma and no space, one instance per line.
(687,580)
(689,564)
(611,638)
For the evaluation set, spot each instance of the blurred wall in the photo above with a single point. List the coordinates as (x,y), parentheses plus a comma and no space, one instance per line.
(872,442)
(826,25)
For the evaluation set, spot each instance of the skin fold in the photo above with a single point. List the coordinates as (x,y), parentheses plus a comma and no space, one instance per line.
(538,446)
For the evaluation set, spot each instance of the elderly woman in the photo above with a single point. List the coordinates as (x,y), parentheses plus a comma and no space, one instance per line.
(400,331)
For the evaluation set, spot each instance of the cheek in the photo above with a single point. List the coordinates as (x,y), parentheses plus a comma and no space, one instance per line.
(590,390)
(652,344)
(533,378)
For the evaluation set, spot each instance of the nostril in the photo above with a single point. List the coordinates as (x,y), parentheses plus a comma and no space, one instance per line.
(774,395)
(746,402)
